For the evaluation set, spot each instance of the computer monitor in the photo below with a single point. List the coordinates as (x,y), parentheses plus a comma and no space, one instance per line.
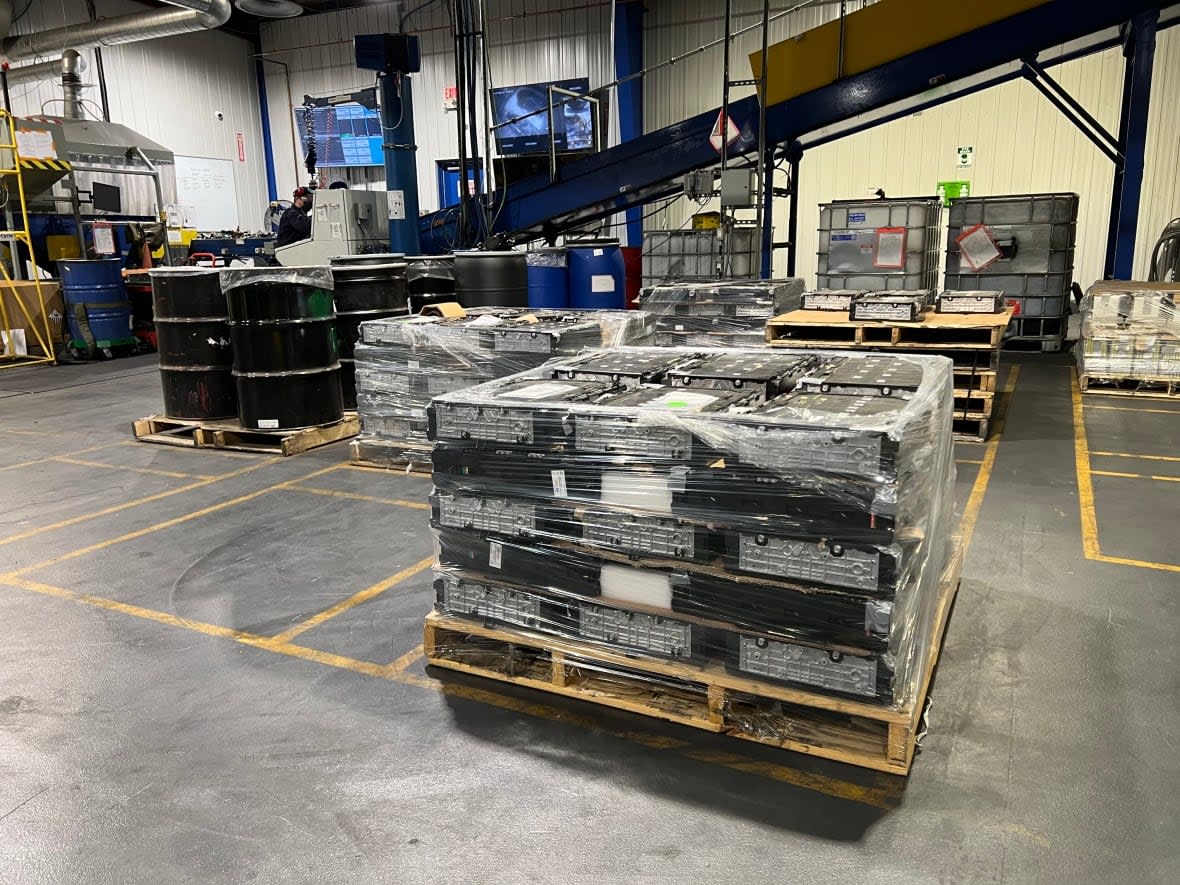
(347,134)
(106,197)
(524,111)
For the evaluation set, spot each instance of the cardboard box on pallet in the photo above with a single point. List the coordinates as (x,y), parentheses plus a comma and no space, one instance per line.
(24,292)
(782,514)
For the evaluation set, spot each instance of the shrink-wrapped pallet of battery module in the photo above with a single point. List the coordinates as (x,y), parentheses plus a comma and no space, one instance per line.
(718,313)
(783,515)
(401,363)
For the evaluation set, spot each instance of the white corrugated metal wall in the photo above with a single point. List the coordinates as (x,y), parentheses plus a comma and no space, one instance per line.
(170,91)
(1022,143)
(530,41)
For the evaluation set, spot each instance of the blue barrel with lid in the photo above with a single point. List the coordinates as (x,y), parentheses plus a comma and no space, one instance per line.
(98,308)
(548,279)
(596,276)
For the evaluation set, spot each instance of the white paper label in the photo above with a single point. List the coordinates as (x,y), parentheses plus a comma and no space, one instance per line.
(977,248)
(597,253)
(890,248)
(268,423)
(542,391)
(396,202)
(35,144)
(495,553)
(174,237)
(602,282)
(104,240)
(559,489)
(412,364)
(337,230)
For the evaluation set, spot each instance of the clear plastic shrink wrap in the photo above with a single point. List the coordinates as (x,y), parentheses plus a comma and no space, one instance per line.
(722,313)
(784,514)
(402,362)
(1130,331)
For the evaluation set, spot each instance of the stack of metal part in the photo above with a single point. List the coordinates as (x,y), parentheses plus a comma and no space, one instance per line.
(720,313)
(782,513)
(401,362)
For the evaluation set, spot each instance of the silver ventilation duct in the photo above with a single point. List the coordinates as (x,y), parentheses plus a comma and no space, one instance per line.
(194,15)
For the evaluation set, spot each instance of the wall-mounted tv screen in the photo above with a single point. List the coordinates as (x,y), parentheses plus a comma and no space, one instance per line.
(528,109)
(345,135)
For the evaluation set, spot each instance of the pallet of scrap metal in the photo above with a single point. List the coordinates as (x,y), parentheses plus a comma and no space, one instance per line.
(1130,341)
(776,515)
(401,363)
(721,313)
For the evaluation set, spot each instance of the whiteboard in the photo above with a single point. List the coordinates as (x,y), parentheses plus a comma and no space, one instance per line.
(205,192)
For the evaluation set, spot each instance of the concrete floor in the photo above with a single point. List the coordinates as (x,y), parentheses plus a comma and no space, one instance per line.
(151,732)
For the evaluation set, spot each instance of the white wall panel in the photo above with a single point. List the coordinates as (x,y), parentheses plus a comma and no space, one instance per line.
(169,90)
(1161,180)
(529,41)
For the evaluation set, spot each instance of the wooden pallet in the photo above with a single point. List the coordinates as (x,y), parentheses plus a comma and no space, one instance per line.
(370,456)
(971,427)
(1150,386)
(977,402)
(706,696)
(975,379)
(231,435)
(812,328)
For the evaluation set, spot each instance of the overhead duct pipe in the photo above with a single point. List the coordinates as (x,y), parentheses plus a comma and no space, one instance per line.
(193,15)
(71,84)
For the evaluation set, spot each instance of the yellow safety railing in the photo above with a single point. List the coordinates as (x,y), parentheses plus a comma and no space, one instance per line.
(43,334)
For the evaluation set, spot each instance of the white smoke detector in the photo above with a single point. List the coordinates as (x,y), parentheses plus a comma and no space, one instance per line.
(269,8)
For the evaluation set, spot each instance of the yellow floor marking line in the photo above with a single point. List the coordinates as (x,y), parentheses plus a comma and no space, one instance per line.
(1134,475)
(884,794)
(1088,512)
(353,496)
(147,499)
(979,488)
(1132,409)
(85,451)
(168,523)
(355,600)
(1133,455)
(65,459)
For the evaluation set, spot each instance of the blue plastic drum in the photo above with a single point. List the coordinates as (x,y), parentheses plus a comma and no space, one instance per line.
(95,289)
(596,276)
(548,279)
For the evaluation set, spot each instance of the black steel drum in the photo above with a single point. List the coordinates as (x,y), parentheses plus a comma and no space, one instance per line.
(192,336)
(491,279)
(367,287)
(430,279)
(286,361)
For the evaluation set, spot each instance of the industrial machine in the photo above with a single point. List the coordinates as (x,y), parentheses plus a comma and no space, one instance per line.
(343,222)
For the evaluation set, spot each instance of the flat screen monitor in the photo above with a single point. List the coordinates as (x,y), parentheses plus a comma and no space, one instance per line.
(106,197)
(345,135)
(527,107)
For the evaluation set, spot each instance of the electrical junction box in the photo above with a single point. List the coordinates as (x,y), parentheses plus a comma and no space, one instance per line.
(699,185)
(737,188)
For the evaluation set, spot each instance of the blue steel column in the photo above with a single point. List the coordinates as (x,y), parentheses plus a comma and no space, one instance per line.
(401,166)
(628,62)
(268,152)
(1139,51)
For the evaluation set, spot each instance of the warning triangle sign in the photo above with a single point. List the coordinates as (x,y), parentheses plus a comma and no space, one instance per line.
(731,132)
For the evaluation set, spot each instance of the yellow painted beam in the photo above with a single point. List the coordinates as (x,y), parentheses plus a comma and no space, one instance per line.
(873,36)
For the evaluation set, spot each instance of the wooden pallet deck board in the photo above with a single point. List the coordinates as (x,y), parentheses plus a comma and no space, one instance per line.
(1148,386)
(933,331)
(231,435)
(703,696)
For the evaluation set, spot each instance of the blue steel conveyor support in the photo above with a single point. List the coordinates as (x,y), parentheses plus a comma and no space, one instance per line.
(649,167)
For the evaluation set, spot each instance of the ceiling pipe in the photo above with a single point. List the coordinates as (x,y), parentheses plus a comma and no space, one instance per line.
(71,84)
(193,15)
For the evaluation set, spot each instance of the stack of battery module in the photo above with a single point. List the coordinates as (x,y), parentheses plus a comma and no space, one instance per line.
(402,362)
(724,313)
(784,514)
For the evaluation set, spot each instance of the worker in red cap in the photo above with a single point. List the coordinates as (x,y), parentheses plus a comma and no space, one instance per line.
(295,223)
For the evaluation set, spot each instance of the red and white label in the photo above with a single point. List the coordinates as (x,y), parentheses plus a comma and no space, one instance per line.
(731,132)
(241,148)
